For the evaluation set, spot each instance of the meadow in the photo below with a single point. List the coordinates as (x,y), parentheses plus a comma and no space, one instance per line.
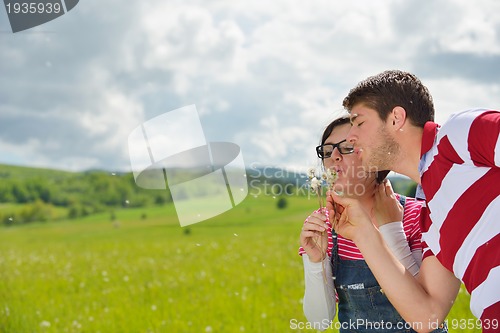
(141,272)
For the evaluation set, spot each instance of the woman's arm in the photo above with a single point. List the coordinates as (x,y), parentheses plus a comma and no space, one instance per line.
(319,295)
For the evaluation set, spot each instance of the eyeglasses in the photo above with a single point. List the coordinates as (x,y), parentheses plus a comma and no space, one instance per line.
(326,150)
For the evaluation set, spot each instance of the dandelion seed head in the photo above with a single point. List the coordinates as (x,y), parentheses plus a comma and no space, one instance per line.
(311,172)
(315,184)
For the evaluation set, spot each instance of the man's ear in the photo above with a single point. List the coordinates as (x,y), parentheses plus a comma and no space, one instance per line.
(398,118)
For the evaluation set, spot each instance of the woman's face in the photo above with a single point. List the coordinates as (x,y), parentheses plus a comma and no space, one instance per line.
(352,176)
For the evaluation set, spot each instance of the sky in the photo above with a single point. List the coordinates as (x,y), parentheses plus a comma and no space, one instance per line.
(268,76)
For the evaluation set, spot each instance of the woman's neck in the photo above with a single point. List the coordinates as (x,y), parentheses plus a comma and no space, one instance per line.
(366,199)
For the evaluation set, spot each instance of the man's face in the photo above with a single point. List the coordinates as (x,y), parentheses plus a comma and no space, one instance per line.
(372,141)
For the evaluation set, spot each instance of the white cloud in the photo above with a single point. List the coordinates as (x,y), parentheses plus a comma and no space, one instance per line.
(267,76)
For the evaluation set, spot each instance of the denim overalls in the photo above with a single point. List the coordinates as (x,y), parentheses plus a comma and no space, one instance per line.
(363,306)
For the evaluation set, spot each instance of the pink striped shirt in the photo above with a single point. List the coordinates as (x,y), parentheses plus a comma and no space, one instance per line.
(460,177)
(411,219)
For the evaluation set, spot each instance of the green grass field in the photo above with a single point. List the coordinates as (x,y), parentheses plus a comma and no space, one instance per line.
(238,272)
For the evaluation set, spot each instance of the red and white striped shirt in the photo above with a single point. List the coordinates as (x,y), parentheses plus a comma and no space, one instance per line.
(411,225)
(460,178)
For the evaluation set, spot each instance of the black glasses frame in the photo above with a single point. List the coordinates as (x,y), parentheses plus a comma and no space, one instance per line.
(342,150)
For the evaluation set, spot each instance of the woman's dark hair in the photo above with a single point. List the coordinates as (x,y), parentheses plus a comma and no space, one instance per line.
(336,123)
(381,175)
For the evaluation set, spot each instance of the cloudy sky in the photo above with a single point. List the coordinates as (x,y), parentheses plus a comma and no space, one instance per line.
(267,76)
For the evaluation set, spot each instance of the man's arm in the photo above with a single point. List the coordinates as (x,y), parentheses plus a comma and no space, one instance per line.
(422,301)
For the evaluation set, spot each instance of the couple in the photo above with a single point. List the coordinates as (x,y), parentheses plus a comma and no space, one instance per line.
(458,174)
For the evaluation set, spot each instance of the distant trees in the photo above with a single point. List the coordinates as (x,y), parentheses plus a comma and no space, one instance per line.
(80,193)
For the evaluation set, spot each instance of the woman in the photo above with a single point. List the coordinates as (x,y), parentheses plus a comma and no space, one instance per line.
(362,307)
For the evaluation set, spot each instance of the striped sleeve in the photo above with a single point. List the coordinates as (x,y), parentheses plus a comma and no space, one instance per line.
(474,136)
(483,141)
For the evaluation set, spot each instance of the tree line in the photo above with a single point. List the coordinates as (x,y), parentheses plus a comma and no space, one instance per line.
(80,194)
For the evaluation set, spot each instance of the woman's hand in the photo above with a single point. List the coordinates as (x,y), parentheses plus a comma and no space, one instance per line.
(314,237)
(387,207)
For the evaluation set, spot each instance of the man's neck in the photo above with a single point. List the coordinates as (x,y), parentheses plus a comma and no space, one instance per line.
(410,141)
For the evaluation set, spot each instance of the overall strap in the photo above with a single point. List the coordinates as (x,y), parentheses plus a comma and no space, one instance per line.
(402,201)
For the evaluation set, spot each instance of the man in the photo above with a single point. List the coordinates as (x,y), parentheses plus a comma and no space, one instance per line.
(457,167)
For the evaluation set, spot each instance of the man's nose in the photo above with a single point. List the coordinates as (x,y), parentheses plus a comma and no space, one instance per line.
(352,136)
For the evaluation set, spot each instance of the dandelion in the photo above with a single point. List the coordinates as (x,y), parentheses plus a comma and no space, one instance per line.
(208,329)
(45,323)
(330,177)
(315,184)
(153,307)
(311,173)
(326,179)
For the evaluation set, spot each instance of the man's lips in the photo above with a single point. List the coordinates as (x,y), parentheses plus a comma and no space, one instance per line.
(358,151)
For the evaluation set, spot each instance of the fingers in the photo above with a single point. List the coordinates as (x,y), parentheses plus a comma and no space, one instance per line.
(340,220)
(388,188)
(384,190)
(313,224)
